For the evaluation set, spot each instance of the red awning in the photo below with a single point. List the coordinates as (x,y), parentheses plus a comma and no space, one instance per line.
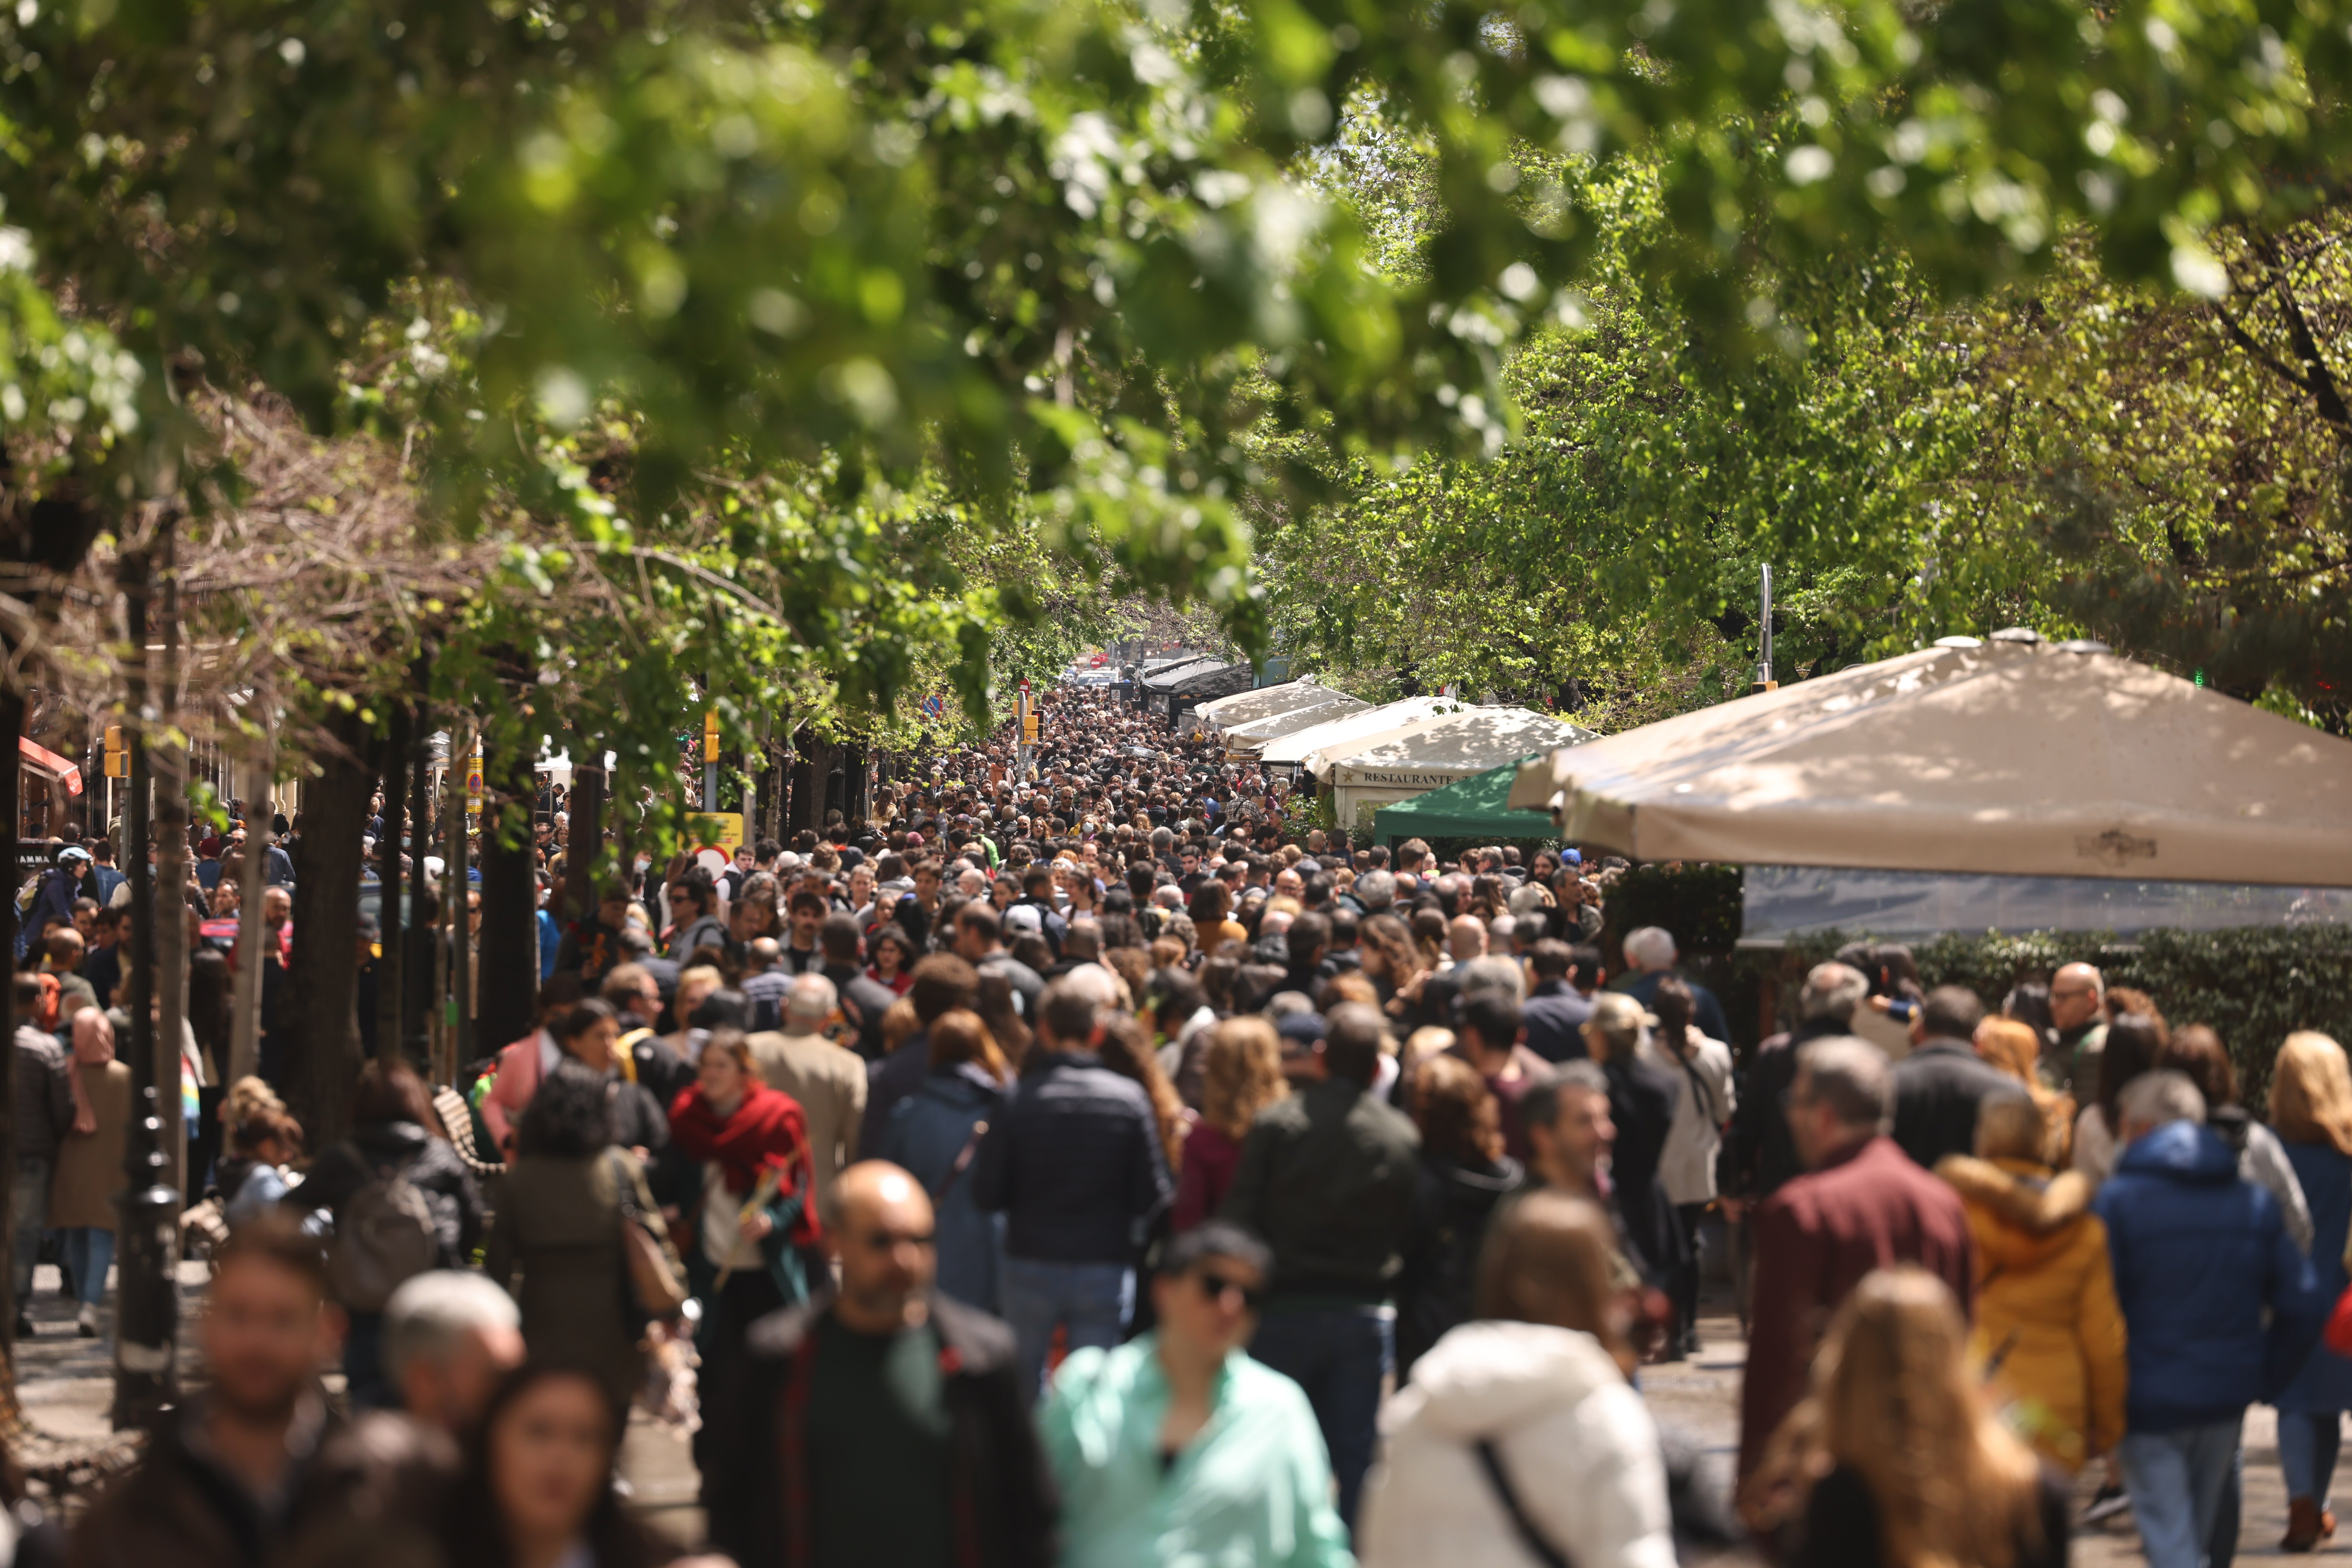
(49,762)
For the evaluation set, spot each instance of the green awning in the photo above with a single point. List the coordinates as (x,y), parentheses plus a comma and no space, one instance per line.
(1468,808)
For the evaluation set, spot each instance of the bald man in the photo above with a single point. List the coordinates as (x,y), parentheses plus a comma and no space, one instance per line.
(888,1411)
(2078,1000)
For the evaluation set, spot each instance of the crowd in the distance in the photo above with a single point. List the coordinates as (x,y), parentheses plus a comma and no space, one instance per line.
(1092,1168)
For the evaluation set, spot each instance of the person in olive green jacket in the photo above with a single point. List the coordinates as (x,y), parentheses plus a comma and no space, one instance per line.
(1176,1447)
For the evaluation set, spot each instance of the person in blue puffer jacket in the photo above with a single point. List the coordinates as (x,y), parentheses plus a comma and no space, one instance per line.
(2198,1256)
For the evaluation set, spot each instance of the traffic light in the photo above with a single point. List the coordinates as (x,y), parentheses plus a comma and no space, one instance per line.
(118,755)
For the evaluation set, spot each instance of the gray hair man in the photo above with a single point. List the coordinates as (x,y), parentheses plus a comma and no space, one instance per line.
(448,1337)
(828,1079)
(1862,1205)
(1759,1151)
(1652,954)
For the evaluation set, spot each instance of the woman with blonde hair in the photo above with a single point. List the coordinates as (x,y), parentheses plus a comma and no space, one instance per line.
(1240,1074)
(1894,1459)
(2311,1111)
(2015,1048)
(1520,1429)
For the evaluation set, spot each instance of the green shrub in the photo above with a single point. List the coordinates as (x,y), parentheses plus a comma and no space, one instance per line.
(1700,904)
(2253,986)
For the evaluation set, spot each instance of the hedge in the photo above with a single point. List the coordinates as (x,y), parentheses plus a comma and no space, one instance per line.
(2253,986)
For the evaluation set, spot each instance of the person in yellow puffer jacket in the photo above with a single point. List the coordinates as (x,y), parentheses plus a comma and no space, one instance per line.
(2048,1333)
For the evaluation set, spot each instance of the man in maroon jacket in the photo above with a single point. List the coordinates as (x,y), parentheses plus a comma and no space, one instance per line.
(1863,1205)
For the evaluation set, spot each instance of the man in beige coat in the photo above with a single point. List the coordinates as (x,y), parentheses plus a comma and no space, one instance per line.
(829,1080)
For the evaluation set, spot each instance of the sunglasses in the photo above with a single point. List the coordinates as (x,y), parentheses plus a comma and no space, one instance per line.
(1216,1288)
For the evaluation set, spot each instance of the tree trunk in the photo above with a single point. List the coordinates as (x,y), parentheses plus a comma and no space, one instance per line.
(12,725)
(509,977)
(587,831)
(323,982)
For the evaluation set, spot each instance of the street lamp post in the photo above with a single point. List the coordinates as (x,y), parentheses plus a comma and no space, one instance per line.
(146,1298)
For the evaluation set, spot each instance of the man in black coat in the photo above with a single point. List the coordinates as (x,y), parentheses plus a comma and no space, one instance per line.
(1565,979)
(882,1423)
(1641,1105)
(1939,1085)
(1758,1153)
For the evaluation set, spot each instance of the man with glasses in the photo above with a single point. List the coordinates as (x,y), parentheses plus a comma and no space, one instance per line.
(2078,1000)
(880,1424)
(1180,1425)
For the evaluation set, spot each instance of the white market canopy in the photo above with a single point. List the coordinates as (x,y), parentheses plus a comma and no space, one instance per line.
(1258,733)
(1294,747)
(1382,769)
(2004,758)
(1265,703)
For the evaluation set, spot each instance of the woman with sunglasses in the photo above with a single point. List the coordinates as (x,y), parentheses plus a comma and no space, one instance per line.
(1181,1423)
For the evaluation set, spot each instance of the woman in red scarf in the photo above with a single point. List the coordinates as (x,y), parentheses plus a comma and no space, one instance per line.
(753,1227)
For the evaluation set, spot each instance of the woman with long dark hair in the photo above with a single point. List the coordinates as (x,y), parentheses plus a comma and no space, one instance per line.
(1464,1175)
(537,1488)
(560,1210)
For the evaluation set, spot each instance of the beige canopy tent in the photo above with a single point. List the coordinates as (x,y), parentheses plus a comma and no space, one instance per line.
(1382,770)
(1366,724)
(1268,702)
(2003,758)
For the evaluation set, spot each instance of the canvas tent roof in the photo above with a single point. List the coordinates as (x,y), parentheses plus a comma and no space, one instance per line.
(2000,757)
(1212,680)
(1164,677)
(1454,745)
(1263,702)
(1371,723)
(1322,710)
(1475,807)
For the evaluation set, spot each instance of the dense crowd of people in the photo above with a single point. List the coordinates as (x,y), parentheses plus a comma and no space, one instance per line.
(1088,1166)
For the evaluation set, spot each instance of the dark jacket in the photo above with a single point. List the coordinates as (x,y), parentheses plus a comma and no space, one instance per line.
(559,1225)
(1451,1203)
(1002,1492)
(1841,1526)
(1758,1153)
(891,1079)
(429,1164)
(932,1134)
(1554,1017)
(1867,1207)
(863,1000)
(42,1110)
(1328,1177)
(661,1072)
(2200,1255)
(1938,1088)
(1641,1103)
(367,1495)
(1074,1162)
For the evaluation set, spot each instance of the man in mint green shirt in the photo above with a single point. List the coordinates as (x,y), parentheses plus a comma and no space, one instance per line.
(1176,1448)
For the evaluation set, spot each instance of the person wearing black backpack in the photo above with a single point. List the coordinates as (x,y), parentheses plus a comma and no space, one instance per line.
(401,1202)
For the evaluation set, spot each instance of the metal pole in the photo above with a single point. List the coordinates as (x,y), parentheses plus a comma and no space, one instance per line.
(171,775)
(388,881)
(146,1292)
(244,1006)
(1764,681)
(460,1045)
(415,1022)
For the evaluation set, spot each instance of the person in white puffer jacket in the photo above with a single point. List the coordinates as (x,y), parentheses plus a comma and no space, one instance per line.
(1570,1468)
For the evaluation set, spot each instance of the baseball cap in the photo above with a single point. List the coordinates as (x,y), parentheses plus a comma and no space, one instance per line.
(72,852)
(1024,918)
